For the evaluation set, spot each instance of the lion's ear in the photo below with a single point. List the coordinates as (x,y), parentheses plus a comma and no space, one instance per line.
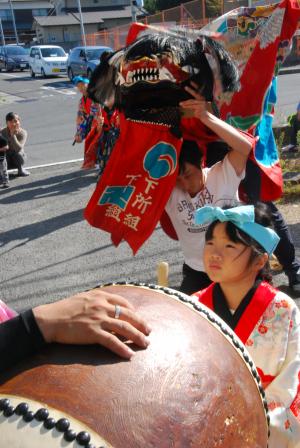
(103,81)
(227,69)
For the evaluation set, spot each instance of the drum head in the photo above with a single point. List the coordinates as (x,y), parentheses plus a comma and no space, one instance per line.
(194,386)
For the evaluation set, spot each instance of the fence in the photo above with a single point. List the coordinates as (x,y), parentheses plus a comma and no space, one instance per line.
(193,14)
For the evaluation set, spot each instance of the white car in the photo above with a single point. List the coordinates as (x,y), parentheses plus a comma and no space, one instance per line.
(47,60)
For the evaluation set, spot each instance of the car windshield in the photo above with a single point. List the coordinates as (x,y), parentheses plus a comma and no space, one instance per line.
(15,50)
(52,52)
(94,54)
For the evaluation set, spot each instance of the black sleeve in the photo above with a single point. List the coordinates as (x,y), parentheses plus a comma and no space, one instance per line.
(19,338)
(3,141)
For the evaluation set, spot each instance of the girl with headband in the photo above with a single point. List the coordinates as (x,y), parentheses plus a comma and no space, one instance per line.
(86,113)
(267,321)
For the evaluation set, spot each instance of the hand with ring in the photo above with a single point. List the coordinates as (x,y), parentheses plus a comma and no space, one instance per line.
(93,317)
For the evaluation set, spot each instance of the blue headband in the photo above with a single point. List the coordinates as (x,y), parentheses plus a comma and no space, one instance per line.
(78,79)
(243,218)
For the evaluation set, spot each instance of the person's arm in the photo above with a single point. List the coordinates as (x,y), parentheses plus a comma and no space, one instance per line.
(19,338)
(86,318)
(239,144)
(17,140)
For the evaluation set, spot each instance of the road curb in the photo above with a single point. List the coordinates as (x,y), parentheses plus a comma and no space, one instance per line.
(47,165)
(289,71)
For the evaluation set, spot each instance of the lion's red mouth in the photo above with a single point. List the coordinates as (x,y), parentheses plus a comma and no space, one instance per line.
(151,70)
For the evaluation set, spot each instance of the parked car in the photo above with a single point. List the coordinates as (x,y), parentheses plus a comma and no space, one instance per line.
(13,57)
(47,60)
(83,60)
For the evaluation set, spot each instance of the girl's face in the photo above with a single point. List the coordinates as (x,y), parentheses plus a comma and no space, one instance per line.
(224,260)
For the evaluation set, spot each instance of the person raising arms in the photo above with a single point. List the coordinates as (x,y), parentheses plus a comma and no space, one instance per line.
(197,186)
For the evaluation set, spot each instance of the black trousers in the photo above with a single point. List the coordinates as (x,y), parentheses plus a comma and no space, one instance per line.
(14,160)
(285,251)
(295,128)
(193,280)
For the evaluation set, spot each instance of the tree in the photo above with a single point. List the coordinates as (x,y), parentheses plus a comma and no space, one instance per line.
(150,6)
(213,7)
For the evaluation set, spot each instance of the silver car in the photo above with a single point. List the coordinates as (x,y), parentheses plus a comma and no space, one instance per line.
(83,60)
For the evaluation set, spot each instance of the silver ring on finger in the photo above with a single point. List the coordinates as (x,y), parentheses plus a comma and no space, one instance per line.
(117,312)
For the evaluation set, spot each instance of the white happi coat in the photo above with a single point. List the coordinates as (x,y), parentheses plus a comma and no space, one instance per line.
(269,326)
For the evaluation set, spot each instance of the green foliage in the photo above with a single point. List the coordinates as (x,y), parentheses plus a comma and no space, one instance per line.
(150,6)
(213,8)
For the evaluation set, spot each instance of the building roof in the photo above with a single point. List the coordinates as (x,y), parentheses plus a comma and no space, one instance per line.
(66,19)
(26,4)
(88,17)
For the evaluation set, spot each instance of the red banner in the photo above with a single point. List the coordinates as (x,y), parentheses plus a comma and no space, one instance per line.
(136,184)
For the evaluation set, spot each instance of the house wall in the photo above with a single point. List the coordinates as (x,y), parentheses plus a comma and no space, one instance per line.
(110,23)
(60,35)
(95,3)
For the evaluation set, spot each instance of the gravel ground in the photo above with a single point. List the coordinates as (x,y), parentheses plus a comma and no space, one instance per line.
(291,213)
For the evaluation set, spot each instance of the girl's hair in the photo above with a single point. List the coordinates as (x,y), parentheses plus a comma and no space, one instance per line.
(262,217)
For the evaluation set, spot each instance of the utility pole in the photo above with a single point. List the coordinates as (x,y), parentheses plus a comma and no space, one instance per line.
(133,10)
(2,33)
(81,24)
(13,20)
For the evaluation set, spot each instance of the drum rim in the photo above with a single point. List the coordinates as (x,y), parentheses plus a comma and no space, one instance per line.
(213,319)
(11,400)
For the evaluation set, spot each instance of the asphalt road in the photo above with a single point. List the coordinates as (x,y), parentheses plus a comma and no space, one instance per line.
(47,108)
(47,250)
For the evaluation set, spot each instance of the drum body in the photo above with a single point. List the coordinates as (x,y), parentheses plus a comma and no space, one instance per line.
(190,388)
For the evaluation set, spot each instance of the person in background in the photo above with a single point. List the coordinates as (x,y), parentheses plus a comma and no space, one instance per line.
(110,132)
(16,138)
(4,179)
(85,115)
(294,122)
(238,244)
(92,317)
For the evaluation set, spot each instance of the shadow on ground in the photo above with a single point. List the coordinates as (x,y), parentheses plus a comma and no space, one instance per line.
(39,229)
(53,186)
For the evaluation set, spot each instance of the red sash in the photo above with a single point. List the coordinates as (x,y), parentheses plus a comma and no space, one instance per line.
(262,297)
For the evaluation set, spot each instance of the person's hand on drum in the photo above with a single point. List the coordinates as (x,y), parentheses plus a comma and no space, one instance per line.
(93,317)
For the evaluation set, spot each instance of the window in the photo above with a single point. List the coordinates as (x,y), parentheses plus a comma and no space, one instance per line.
(96,53)
(52,52)
(15,50)
(74,54)
(40,12)
(82,54)
(5,14)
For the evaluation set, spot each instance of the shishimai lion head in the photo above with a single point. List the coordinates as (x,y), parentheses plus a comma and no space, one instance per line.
(152,71)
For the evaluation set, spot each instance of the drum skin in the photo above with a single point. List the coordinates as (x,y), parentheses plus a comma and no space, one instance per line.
(190,388)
